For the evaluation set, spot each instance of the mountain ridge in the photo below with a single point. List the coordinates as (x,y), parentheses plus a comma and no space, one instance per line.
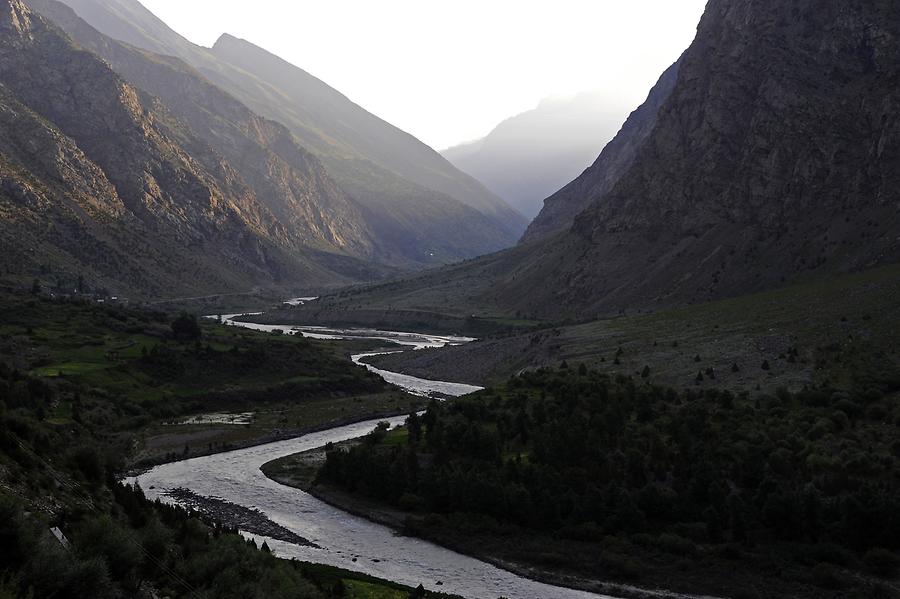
(97,183)
(288,180)
(277,90)
(529,156)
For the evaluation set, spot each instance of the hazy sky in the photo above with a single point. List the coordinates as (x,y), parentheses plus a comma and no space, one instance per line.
(448,72)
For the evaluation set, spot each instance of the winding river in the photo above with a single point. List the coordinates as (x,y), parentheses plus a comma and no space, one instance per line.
(342,539)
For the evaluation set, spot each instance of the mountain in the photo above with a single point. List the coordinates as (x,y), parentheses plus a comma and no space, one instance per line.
(772,160)
(99,179)
(531,155)
(287,179)
(405,188)
(560,209)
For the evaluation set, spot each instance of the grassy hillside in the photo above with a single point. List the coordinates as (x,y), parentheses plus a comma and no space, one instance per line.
(831,330)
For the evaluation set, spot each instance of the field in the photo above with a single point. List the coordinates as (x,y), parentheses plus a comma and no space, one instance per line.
(146,382)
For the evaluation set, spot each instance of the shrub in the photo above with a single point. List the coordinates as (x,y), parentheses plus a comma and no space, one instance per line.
(186,327)
(671,543)
(620,566)
(825,576)
(882,562)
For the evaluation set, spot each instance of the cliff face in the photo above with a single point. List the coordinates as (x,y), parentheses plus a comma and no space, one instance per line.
(97,179)
(561,208)
(774,157)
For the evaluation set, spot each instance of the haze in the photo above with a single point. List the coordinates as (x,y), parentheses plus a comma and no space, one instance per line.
(449,72)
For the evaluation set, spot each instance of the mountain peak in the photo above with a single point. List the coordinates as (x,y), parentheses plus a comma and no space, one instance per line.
(227,39)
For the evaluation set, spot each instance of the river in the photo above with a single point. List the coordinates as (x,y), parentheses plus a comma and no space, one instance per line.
(342,539)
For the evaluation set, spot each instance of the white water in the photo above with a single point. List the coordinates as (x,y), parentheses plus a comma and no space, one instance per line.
(345,540)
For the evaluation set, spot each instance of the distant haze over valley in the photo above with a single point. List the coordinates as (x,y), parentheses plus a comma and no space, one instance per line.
(529,156)
(449,72)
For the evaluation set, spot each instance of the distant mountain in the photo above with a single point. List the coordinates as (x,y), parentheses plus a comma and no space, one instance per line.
(528,157)
(773,159)
(101,180)
(425,209)
(560,209)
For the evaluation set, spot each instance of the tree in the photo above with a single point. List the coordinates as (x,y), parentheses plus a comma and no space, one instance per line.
(186,327)
(414,424)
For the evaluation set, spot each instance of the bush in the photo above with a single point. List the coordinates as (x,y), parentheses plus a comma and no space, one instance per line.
(829,553)
(882,562)
(671,543)
(410,502)
(186,327)
(825,576)
(619,566)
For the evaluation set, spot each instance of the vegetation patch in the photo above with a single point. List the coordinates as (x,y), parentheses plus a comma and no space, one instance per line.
(603,477)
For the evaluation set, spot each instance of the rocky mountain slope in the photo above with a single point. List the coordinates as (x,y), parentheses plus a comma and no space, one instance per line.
(287,179)
(772,160)
(401,183)
(528,157)
(100,180)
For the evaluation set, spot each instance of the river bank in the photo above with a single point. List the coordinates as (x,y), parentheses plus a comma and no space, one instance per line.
(200,435)
(320,313)
(299,471)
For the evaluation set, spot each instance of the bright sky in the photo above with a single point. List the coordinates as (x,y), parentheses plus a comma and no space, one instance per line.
(446,71)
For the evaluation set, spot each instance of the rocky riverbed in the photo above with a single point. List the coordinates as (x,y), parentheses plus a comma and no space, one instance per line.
(236,516)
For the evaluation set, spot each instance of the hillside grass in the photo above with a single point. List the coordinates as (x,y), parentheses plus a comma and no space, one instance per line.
(822,331)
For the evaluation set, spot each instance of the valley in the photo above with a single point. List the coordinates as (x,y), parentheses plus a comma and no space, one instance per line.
(257,341)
